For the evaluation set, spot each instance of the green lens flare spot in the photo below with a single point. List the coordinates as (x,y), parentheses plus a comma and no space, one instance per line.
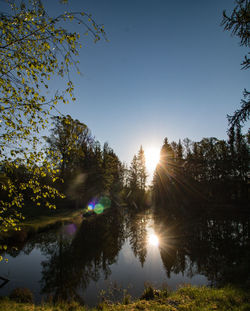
(105,202)
(98,208)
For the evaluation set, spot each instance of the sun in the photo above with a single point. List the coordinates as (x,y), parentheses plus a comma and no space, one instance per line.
(152,157)
(153,239)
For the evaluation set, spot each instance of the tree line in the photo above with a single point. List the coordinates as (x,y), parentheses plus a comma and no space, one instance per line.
(210,170)
(86,169)
(82,169)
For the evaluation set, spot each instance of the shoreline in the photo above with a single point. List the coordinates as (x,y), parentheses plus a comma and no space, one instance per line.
(188,298)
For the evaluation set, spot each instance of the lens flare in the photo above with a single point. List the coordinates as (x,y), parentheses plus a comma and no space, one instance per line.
(98,208)
(91,206)
(70,229)
(99,205)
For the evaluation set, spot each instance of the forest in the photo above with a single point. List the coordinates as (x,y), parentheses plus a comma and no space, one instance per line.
(200,174)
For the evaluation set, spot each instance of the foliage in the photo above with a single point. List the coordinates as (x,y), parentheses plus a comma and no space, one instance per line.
(133,174)
(66,142)
(149,293)
(142,175)
(238,21)
(209,170)
(186,298)
(34,47)
(165,173)
(112,171)
(86,169)
(137,177)
(238,24)
(241,115)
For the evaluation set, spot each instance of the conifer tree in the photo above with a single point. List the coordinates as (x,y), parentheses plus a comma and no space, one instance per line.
(238,23)
(133,174)
(142,174)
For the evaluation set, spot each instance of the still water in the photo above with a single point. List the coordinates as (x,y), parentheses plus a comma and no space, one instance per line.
(121,251)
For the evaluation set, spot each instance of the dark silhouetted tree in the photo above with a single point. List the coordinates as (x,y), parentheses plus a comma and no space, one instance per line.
(141,168)
(238,23)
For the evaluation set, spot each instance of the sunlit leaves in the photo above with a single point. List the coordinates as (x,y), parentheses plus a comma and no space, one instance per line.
(33,48)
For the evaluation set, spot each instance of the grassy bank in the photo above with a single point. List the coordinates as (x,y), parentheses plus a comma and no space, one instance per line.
(39,219)
(44,217)
(187,298)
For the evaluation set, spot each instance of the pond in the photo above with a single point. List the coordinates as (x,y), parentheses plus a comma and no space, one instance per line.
(120,251)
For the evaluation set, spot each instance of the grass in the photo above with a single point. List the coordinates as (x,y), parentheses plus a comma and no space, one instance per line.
(188,298)
(48,217)
(37,219)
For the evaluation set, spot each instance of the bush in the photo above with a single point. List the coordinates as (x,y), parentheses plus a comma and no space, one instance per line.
(126,299)
(149,293)
(22,295)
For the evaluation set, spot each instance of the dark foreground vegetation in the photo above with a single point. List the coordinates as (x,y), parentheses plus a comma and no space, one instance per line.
(188,298)
(209,172)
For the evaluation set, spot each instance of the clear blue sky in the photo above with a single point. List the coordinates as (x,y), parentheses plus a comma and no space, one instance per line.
(168,70)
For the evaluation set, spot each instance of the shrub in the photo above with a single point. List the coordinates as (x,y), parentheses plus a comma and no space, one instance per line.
(149,293)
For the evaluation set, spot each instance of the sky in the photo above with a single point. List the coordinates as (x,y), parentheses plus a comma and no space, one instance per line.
(168,70)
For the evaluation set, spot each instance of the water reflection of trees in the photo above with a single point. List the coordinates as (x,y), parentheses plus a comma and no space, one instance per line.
(136,225)
(26,241)
(73,263)
(218,248)
(73,260)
